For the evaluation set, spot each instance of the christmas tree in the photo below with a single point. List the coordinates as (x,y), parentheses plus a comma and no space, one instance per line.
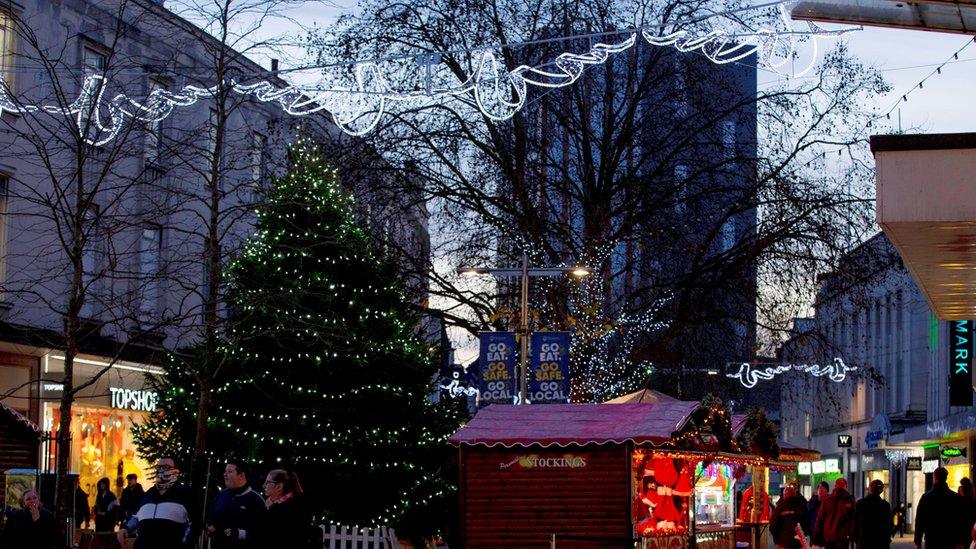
(323,373)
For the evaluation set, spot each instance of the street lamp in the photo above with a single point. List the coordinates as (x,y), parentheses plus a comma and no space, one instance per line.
(524,273)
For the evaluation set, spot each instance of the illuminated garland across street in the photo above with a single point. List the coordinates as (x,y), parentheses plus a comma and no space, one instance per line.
(749,375)
(498,93)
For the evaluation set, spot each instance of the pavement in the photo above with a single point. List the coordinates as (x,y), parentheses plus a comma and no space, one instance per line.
(907,542)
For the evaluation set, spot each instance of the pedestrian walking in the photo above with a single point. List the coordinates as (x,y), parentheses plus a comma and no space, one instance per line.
(813,510)
(31,527)
(835,521)
(937,520)
(131,498)
(790,511)
(106,507)
(872,517)
(968,508)
(164,520)
(82,508)
(898,519)
(287,522)
(236,510)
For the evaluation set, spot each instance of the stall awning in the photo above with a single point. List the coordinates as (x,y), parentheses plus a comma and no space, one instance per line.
(564,424)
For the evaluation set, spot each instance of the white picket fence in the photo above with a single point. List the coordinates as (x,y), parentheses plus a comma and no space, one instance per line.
(343,537)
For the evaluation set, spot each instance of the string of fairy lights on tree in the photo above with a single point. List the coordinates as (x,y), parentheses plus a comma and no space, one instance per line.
(321,369)
(498,92)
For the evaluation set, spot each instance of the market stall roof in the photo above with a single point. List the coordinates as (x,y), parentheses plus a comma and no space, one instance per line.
(564,424)
(17,418)
(644,395)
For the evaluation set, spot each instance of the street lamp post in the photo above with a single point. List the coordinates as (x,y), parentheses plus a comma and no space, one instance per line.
(524,273)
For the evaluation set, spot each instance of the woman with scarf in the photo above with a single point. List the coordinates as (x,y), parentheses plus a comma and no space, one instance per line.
(287,522)
(106,507)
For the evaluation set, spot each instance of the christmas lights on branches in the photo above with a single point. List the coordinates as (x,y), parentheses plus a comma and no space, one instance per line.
(498,92)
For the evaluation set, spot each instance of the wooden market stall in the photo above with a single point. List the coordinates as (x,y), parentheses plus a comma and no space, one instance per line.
(597,475)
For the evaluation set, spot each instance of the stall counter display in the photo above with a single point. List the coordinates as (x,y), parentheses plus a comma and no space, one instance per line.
(714,494)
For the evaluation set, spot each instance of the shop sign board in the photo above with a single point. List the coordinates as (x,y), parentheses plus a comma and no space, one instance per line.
(549,372)
(949,452)
(913,463)
(804,468)
(535,461)
(496,365)
(131,399)
(844,441)
(961,363)
(818,467)
(832,465)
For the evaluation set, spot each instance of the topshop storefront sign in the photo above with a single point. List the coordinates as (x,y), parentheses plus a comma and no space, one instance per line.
(131,399)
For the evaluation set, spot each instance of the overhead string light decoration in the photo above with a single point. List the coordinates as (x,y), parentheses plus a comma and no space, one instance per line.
(498,93)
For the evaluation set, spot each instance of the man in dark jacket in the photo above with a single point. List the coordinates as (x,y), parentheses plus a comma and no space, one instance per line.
(236,511)
(872,519)
(938,519)
(790,511)
(131,498)
(813,510)
(835,523)
(164,520)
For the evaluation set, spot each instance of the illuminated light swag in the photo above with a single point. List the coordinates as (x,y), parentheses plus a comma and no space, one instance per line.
(498,93)
(749,375)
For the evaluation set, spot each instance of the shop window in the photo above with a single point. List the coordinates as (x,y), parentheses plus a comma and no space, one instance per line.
(102,445)
(7,34)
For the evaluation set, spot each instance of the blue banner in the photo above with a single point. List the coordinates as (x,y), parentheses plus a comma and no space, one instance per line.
(549,373)
(496,365)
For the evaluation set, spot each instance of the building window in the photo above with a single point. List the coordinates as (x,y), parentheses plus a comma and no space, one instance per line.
(259,147)
(89,259)
(727,236)
(679,101)
(208,250)
(681,187)
(93,63)
(212,122)
(4,182)
(154,129)
(150,252)
(7,34)
(729,139)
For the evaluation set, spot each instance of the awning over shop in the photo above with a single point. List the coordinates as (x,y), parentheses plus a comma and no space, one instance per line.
(927,208)
(957,16)
(564,424)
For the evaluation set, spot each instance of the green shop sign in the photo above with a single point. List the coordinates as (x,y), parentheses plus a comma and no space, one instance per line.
(952,451)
